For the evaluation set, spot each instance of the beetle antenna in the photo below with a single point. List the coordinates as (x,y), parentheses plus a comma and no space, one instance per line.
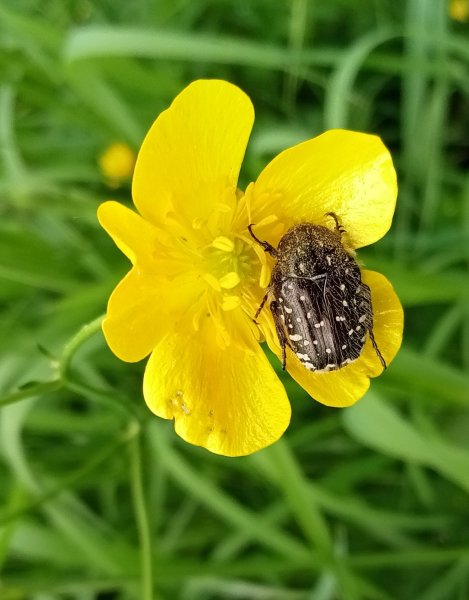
(267,247)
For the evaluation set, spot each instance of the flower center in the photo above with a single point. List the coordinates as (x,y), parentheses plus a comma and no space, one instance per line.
(228,270)
(229,266)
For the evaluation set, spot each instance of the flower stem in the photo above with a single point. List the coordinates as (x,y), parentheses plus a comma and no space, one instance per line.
(141,514)
(74,344)
(44,387)
(35,389)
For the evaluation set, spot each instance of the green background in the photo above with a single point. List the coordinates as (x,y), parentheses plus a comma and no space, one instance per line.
(101,500)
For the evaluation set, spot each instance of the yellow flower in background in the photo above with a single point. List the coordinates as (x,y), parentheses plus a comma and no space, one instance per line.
(117,163)
(459,10)
(198,276)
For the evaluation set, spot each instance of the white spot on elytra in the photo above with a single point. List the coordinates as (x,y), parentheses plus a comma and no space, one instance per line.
(298,319)
(290,325)
(328,258)
(302,298)
(342,286)
(358,327)
(280,299)
(344,302)
(344,346)
(321,323)
(328,350)
(296,337)
(288,310)
(350,332)
(308,315)
(317,325)
(306,342)
(302,356)
(315,342)
(289,286)
(362,318)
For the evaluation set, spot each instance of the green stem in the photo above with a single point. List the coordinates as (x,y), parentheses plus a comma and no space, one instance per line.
(74,344)
(36,389)
(68,353)
(141,514)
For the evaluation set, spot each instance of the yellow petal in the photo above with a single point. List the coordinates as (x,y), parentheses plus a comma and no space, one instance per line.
(388,323)
(228,401)
(190,158)
(347,385)
(134,236)
(337,388)
(345,172)
(135,321)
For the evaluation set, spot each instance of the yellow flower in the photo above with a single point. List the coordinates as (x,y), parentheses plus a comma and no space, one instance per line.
(198,276)
(117,163)
(459,10)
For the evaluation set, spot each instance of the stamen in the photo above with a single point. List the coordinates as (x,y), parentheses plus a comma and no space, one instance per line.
(265,276)
(223,243)
(230,303)
(230,280)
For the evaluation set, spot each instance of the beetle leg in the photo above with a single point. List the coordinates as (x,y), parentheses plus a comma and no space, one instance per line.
(282,338)
(258,311)
(338,227)
(375,346)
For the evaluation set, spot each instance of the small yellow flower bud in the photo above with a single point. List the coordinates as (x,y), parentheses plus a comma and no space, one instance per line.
(459,10)
(117,163)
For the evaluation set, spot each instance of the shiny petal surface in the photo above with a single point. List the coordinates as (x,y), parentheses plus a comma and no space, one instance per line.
(228,401)
(345,172)
(134,236)
(347,385)
(190,159)
(135,321)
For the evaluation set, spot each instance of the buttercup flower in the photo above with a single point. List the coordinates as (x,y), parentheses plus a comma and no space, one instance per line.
(459,10)
(117,163)
(198,276)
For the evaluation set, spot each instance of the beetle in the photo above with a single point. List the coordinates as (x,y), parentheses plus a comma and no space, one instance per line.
(321,307)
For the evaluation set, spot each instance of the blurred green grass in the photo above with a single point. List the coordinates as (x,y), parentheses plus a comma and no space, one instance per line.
(97,496)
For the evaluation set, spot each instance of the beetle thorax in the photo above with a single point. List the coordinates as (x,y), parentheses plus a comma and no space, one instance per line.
(310,249)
